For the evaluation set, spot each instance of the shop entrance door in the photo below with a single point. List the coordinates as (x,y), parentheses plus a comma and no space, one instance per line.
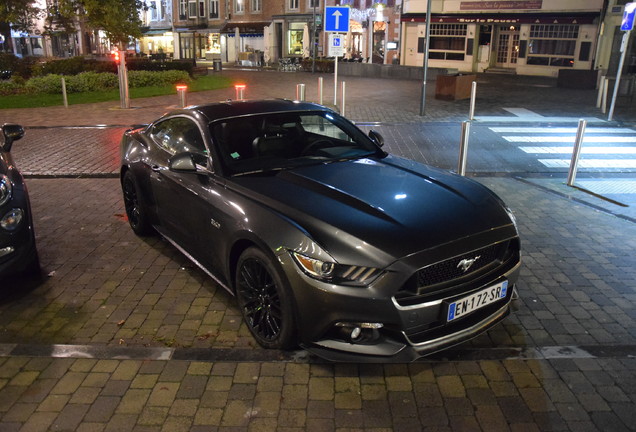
(507,46)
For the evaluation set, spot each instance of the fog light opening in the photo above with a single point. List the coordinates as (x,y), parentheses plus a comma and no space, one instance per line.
(359,332)
(11,221)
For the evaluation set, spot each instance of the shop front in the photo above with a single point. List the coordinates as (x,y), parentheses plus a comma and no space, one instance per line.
(157,44)
(243,43)
(520,43)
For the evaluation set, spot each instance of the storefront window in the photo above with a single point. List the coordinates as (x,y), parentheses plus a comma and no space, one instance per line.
(552,45)
(448,42)
(214,43)
(295,39)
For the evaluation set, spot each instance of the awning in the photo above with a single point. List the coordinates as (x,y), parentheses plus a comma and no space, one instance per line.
(155,32)
(505,18)
(245,28)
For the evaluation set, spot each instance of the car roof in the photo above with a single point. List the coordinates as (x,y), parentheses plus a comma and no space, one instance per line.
(236,108)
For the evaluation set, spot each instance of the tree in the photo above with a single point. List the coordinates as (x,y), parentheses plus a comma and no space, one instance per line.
(118,18)
(22,14)
(19,14)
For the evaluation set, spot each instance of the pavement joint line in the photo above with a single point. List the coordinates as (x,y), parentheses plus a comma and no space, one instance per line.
(577,200)
(71,175)
(232,355)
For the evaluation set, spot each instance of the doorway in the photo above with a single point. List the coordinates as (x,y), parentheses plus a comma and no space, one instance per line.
(507,46)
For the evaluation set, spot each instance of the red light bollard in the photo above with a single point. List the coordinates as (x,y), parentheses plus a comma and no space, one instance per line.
(240,89)
(182,93)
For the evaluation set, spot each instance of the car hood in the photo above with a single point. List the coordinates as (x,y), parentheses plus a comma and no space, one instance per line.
(397,206)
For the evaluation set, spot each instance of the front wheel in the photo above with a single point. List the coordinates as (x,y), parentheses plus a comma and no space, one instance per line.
(135,209)
(265,300)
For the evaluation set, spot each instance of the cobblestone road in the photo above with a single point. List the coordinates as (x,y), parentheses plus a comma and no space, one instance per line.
(124,334)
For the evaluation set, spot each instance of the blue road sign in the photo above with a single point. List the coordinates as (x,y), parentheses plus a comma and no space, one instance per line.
(628,17)
(337,19)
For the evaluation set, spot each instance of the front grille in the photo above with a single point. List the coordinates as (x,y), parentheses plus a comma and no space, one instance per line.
(448,278)
(451,269)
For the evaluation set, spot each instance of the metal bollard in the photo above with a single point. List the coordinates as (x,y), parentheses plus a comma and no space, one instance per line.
(604,101)
(240,88)
(599,95)
(463,148)
(300,92)
(576,153)
(473,96)
(64,96)
(320,90)
(182,93)
(342,109)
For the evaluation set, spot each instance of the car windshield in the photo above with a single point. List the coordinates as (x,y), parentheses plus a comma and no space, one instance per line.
(271,142)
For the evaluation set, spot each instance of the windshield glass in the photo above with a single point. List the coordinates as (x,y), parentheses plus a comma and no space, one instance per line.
(275,141)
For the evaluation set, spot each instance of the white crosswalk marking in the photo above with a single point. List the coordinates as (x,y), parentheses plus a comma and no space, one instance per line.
(572,130)
(564,139)
(584,150)
(590,163)
(610,148)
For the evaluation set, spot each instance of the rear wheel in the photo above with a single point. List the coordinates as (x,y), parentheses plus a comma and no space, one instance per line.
(135,209)
(265,300)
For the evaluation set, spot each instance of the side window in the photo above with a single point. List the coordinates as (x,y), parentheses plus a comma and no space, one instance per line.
(177,135)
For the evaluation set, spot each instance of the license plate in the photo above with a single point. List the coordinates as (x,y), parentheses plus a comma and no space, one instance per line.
(478,300)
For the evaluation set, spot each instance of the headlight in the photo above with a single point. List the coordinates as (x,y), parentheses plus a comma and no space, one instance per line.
(5,189)
(332,272)
(513,218)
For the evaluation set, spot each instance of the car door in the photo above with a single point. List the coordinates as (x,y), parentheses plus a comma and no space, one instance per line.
(188,202)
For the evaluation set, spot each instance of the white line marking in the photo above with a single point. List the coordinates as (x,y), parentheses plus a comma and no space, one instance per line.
(570,139)
(571,130)
(590,163)
(584,150)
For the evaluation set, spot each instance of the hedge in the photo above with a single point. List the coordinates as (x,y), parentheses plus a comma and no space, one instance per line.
(31,66)
(91,81)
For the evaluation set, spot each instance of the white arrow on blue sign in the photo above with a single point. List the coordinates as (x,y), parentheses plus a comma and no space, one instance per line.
(628,17)
(336,19)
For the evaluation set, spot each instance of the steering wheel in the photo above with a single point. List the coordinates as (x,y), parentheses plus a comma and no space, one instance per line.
(315,145)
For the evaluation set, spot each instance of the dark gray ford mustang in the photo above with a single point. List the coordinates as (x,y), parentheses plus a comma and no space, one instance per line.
(326,241)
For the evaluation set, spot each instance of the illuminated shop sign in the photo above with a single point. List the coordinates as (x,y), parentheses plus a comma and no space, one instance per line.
(499,5)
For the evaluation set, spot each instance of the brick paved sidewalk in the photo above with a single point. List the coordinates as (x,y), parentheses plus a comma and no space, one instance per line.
(367,100)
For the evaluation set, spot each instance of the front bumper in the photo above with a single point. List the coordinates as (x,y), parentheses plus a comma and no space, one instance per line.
(17,248)
(406,333)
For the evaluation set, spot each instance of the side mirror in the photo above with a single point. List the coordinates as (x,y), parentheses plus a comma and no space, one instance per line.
(376,138)
(182,162)
(10,133)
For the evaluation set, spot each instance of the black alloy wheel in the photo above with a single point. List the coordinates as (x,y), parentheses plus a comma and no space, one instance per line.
(135,210)
(265,301)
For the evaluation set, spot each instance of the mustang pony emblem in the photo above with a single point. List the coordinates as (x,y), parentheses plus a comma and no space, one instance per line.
(465,264)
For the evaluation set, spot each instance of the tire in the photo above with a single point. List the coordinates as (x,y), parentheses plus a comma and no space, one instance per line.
(136,211)
(265,300)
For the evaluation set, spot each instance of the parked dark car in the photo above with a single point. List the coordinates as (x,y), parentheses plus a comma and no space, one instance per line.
(17,238)
(326,241)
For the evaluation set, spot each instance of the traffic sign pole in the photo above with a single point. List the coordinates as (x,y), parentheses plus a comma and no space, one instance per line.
(627,25)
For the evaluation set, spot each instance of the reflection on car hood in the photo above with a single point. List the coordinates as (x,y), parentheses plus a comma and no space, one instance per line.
(396,205)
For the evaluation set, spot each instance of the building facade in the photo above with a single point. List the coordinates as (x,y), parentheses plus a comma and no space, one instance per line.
(528,37)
